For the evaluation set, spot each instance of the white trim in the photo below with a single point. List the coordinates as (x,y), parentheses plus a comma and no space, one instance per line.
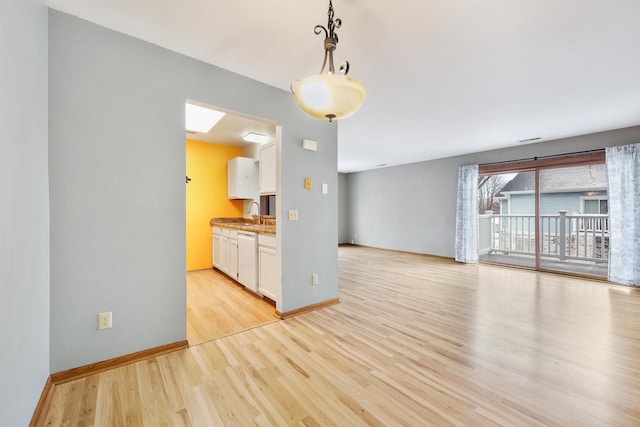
(599,198)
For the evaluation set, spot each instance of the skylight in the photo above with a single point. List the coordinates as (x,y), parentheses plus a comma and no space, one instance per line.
(201,119)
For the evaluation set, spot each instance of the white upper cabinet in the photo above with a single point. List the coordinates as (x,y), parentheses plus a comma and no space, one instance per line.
(267,155)
(242,178)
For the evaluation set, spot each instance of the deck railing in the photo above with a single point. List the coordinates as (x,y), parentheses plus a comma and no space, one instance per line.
(582,237)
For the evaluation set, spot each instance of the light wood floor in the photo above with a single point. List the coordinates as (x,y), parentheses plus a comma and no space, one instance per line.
(416,341)
(217,306)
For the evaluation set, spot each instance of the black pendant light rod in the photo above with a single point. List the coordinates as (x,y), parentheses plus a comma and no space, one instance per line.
(330,41)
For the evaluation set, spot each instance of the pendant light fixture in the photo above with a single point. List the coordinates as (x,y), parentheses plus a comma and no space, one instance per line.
(329,96)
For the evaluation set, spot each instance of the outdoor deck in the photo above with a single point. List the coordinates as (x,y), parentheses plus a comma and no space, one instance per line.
(577,243)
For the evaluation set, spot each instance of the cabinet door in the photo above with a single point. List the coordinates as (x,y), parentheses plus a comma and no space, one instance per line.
(233,258)
(268,169)
(225,254)
(242,178)
(232,178)
(268,275)
(217,250)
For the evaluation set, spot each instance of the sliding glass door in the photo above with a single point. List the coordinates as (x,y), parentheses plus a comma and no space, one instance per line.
(574,220)
(506,218)
(550,217)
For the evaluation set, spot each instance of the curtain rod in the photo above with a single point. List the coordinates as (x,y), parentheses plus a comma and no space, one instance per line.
(551,156)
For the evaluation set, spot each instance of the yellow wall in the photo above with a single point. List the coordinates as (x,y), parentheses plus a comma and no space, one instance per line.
(207,197)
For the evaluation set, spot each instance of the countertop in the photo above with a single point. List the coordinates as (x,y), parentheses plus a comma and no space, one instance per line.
(244,224)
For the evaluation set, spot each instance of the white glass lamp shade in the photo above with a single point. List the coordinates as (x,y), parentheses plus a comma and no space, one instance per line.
(330,96)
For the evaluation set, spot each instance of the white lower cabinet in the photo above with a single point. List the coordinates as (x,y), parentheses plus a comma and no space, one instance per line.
(216,247)
(249,258)
(225,250)
(268,272)
(233,254)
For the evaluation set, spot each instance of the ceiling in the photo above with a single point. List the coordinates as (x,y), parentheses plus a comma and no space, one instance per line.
(444,77)
(232,127)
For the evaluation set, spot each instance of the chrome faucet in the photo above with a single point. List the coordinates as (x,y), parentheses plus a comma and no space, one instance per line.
(251,204)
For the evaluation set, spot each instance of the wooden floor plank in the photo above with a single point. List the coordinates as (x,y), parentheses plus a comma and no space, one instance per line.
(416,340)
(218,306)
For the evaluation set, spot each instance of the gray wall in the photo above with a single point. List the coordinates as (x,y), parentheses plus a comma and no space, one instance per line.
(24,209)
(309,245)
(412,207)
(117,167)
(343,209)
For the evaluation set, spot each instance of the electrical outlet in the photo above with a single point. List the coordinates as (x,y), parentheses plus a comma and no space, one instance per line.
(104,320)
(314,279)
(293,215)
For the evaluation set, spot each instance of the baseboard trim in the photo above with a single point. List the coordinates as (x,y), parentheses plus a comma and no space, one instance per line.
(308,308)
(94,368)
(43,404)
(441,257)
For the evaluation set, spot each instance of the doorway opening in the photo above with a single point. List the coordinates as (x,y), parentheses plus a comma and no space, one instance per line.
(218,304)
(551,216)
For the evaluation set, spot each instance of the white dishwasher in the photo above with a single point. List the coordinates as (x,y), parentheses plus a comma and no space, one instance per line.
(248,260)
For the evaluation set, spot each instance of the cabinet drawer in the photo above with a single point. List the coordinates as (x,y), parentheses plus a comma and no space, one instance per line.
(217,230)
(233,234)
(267,240)
(225,232)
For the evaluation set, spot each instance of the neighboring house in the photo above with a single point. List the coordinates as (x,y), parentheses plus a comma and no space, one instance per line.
(578,190)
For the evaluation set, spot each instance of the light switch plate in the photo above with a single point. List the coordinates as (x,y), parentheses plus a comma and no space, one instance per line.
(325,188)
(310,145)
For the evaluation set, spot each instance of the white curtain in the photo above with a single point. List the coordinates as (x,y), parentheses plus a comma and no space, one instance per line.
(467,215)
(623,176)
